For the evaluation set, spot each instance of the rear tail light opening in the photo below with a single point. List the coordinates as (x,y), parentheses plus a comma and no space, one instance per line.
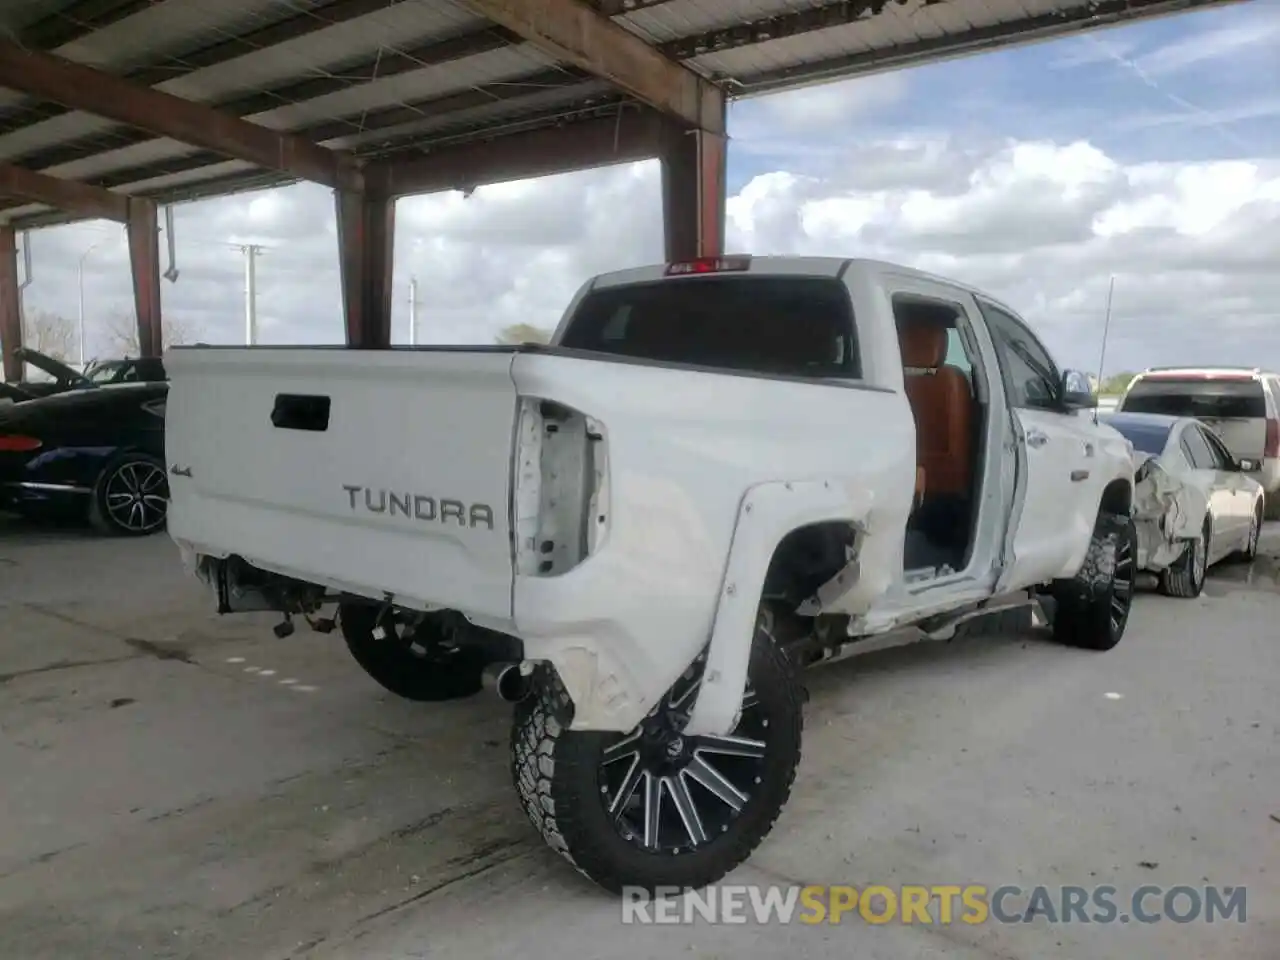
(1272,446)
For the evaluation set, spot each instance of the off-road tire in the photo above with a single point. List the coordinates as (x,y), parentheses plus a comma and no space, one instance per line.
(404,671)
(1184,578)
(556,774)
(101,518)
(1084,605)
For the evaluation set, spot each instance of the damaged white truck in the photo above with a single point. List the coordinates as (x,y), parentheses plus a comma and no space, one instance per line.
(717,474)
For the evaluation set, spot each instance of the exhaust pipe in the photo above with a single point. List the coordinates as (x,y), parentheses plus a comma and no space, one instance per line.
(506,680)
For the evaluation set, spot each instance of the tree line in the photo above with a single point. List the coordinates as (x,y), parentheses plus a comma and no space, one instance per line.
(1115,384)
(59,337)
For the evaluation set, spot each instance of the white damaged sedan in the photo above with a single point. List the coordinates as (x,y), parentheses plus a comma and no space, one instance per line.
(1193,504)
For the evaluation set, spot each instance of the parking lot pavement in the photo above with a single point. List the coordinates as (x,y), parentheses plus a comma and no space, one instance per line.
(182,785)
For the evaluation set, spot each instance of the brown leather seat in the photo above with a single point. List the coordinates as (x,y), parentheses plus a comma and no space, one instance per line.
(942,401)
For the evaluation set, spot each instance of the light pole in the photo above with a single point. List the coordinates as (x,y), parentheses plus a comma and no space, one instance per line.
(80,279)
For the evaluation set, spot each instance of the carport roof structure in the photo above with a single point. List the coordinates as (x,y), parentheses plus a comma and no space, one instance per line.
(108,107)
(180,99)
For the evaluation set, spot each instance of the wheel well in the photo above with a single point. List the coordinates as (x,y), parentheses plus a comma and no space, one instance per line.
(806,558)
(1117,498)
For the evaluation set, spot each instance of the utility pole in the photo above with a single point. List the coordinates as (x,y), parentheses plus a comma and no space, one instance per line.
(413,311)
(80,279)
(251,252)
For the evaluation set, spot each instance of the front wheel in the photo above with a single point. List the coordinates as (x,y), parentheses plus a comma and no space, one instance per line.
(1093,607)
(651,807)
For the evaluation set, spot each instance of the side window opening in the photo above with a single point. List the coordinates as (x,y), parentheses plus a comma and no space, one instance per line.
(1222,458)
(1197,449)
(1032,373)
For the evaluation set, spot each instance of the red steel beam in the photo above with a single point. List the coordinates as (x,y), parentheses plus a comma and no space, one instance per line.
(574,33)
(186,61)
(693,193)
(340,76)
(366,240)
(68,195)
(144,265)
(105,95)
(10,303)
(617,138)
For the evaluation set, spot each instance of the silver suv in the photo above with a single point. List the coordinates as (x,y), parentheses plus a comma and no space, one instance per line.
(1241,404)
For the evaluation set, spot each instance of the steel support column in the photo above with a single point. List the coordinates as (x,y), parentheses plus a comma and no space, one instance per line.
(144,264)
(10,305)
(693,192)
(366,238)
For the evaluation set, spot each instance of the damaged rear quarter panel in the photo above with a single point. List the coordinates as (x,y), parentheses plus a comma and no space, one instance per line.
(684,448)
(1168,511)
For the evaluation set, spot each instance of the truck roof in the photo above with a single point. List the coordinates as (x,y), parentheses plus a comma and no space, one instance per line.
(782,266)
(1203,371)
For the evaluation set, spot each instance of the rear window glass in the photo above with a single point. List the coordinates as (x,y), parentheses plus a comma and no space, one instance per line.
(787,326)
(1145,437)
(1193,397)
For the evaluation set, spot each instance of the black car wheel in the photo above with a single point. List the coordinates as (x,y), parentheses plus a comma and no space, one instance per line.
(654,807)
(417,661)
(1185,577)
(1250,551)
(131,497)
(1093,608)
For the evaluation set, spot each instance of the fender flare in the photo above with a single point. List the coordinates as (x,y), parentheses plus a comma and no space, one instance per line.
(766,514)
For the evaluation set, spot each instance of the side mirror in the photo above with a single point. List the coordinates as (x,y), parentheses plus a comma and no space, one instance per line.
(1248,465)
(1076,391)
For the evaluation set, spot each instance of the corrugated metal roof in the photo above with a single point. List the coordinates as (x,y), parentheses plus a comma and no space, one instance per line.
(378,75)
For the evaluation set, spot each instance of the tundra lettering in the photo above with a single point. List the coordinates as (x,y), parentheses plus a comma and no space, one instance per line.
(418,506)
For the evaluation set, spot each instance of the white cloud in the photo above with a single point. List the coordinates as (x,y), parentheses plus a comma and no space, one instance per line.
(1040,224)
(1044,225)
(819,108)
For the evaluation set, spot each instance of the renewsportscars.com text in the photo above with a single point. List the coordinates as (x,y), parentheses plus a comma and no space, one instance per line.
(936,904)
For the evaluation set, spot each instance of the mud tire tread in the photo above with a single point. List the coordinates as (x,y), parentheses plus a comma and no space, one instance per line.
(554,770)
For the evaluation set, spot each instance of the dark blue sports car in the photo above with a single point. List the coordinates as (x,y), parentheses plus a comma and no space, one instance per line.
(96,454)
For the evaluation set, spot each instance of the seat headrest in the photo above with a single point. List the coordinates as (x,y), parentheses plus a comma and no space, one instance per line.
(922,344)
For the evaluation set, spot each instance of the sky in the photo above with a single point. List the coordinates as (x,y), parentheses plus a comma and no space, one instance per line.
(1148,153)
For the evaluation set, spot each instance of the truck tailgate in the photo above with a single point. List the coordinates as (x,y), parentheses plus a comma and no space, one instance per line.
(358,470)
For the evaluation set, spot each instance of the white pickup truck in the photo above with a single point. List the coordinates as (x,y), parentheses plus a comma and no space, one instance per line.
(717,473)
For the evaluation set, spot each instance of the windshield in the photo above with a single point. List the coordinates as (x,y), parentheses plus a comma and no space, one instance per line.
(1195,397)
(104,372)
(788,326)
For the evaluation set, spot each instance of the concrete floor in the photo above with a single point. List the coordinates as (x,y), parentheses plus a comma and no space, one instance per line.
(179,785)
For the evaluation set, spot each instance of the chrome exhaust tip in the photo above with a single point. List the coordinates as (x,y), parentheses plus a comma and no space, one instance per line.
(506,681)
